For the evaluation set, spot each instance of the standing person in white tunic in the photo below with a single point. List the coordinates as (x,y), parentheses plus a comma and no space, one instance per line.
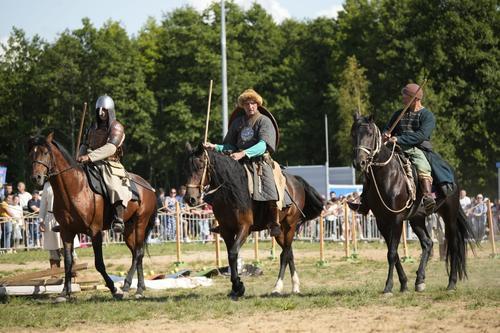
(51,240)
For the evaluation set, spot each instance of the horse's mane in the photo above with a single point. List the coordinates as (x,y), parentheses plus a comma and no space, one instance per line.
(40,140)
(230,173)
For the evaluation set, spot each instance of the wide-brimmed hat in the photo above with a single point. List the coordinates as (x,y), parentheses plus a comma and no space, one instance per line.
(249,94)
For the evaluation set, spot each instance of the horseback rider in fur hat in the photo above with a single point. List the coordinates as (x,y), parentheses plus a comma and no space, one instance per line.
(102,146)
(252,137)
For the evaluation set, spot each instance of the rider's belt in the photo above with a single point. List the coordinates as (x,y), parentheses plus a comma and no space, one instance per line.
(113,158)
(266,157)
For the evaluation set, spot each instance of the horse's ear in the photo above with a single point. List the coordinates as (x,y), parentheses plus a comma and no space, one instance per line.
(189,149)
(50,137)
(370,118)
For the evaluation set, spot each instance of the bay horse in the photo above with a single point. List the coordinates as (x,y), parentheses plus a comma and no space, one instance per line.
(390,200)
(79,210)
(238,214)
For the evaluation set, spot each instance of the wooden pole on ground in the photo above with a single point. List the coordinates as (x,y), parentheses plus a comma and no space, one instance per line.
(178,232)
(492,230)
(217,248)
(346,230)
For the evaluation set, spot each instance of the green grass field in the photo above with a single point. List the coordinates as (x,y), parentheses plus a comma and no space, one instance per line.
(340,284)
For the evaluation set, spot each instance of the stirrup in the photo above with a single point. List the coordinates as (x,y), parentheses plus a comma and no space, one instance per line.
(118,226)
(56,228)
(429,205)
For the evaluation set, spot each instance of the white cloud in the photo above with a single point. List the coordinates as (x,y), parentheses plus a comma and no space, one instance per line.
(330,12)
(273,7)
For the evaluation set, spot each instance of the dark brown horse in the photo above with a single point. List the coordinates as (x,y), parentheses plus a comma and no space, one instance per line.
(389,198)
(226,181)
(78,210)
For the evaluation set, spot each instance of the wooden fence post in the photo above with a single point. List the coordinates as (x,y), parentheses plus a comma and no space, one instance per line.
(492,230)
(256,247)
(321,221)
(346,231)
(217,248)
(178,232)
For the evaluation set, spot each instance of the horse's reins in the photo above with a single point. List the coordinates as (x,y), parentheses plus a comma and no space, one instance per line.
(372,152)
(52,174)
(205,175)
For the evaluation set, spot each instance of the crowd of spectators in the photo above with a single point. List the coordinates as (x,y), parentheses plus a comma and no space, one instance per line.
(17,207)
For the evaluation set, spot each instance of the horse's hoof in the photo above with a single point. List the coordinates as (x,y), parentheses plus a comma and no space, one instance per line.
(275,293)
(60,299)
(139,296)
(451,290)
(420,287)
(119,295)
(388,294)
(296,291)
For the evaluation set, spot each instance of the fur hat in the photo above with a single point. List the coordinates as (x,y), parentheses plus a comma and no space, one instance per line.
(249,94)
(411,89)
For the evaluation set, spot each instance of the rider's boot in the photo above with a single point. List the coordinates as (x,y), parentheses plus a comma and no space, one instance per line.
(362,206)
(117,225)
(428,200)
(274,224)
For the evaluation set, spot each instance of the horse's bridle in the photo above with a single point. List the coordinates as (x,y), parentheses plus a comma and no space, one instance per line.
(204,175)
(372,153)
(49,167)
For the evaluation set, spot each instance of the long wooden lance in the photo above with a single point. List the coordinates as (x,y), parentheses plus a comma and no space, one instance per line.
(206,133)
(208,111)
(77,150)
(389,131)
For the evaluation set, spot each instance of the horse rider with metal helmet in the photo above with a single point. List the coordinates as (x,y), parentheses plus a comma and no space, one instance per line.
(102,146)
(252,137)
(413,134)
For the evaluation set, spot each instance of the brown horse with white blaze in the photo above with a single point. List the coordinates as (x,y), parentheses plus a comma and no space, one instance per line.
(79,210)
(238,214)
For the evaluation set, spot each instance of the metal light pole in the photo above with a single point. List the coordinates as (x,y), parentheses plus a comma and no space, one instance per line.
(224,68)
(327,163)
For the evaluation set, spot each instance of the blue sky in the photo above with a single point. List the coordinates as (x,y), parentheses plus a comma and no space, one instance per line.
(48,18)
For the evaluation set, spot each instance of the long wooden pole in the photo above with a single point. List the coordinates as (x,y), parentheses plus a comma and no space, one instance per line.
(208,111)
(79,139)
(389,131)
(492,230)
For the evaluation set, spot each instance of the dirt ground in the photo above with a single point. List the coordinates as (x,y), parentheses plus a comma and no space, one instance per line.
(367,319)
(337,319)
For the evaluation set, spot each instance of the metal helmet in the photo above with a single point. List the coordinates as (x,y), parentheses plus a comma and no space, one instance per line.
(107,103)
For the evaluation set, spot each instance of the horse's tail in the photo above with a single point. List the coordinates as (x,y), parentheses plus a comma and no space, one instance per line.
(458,236)
(313,205)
